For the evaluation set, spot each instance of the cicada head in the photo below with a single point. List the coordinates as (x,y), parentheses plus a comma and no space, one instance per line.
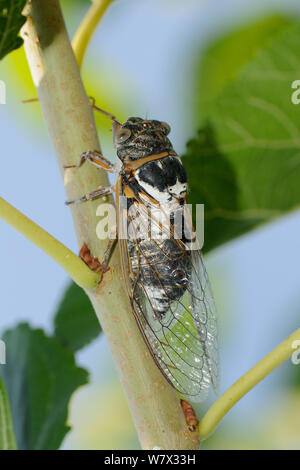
(138,138)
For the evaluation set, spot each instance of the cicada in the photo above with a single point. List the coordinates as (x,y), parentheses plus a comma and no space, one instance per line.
(165,280)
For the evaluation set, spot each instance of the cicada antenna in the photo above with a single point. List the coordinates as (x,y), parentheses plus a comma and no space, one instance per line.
(31,100)
(100,110)
(93,105)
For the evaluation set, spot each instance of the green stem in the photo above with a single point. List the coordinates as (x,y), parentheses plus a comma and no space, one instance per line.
(72,264)
(244,384)
(87,27)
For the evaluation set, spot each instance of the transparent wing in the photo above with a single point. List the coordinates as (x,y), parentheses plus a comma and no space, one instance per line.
(173,304)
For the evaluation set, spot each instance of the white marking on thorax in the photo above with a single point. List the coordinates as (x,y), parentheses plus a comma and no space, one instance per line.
(168,205)
(163,197)
(178,189)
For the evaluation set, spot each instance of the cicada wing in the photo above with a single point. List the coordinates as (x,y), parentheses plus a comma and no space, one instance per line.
(204,313)
(173,306)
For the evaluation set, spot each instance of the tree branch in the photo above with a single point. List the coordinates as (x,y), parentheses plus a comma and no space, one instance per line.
(244,384)
(72,264)
(67,112)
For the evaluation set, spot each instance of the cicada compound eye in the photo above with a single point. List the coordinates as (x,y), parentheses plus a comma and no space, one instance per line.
(122,135)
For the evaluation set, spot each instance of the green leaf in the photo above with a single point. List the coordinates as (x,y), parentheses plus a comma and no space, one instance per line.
(7,436)
(212,182)
(224,58)
(244,165)
(40,377)
(11,21)
(75,322)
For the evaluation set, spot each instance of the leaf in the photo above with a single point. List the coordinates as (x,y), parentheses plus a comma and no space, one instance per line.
(212,182)
(227,55)
(245,163)
(7,437)
(40,377)
(75,322)
(11,21)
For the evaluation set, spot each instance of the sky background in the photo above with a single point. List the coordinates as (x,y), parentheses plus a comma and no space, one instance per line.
(149,48)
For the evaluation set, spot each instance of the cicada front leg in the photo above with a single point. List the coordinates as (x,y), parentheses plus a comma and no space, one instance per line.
(99,192)
(95,158)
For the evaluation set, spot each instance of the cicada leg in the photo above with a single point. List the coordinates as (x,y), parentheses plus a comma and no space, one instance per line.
(30,100)
(190,416)
(115,123)
(100,110)
(92,103)
(99,192)
(107,253)
(95,158)
(93,262)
